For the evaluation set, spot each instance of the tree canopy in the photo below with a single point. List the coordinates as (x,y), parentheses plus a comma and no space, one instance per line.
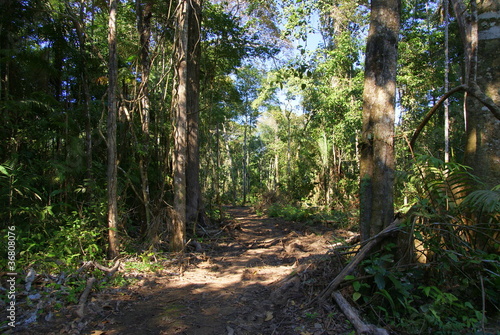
(281,118)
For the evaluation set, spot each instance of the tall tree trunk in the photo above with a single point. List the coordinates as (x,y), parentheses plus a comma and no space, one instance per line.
(481,38)
(377,138)
(245,161)
(144,15)
(193,201)
(111,134)
(186,100)
(180,108)
(446,84)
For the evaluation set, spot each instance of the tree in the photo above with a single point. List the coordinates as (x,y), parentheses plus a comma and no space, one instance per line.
(480,32)
(193,200)
(377,138)
(111,135)
(144,15)
(185,105)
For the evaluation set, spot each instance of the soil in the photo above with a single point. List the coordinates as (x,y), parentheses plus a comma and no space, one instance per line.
(243,281)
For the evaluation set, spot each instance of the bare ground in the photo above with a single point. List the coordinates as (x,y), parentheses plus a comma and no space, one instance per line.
(239,284)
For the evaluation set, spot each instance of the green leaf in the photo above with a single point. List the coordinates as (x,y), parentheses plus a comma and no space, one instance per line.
(356,296)
(380,281)
(356,285)
(4,170)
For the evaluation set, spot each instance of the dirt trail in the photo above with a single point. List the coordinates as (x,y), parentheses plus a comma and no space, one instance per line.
(230,288)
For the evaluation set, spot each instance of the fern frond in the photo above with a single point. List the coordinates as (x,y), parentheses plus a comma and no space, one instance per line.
(446,184)
(485,201)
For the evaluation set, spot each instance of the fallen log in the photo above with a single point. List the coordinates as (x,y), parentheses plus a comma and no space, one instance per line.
(352,315)
(362,254)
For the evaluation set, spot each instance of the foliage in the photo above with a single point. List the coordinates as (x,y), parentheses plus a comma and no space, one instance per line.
(455,259)
(413,302)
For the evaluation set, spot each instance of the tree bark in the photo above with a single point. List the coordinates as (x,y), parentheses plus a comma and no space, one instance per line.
(180,108)
(186,108)
(483,127)
(193,205)
(144,15)
(377,138)
(446,83)
(111,134)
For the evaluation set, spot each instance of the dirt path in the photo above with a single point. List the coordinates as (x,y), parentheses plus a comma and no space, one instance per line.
(231,288)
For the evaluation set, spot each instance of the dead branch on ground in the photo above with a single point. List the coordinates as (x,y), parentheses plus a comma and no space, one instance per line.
(83,298)
(361,255)
(353,315)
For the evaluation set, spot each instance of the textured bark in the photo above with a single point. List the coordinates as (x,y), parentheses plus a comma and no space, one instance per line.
(483,128)
(144,16)
(180,108)
(377,138)
(187,197)
(193,91)
(111,134)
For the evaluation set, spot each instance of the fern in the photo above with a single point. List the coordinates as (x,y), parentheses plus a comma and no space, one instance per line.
(445,184)
(484,201)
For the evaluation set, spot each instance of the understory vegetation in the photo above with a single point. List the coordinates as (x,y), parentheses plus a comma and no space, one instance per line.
(280,121)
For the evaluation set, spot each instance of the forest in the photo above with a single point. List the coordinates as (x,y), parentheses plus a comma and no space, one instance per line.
(129,129)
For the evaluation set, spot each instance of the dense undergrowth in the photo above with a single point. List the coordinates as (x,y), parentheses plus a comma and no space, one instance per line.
(439,276)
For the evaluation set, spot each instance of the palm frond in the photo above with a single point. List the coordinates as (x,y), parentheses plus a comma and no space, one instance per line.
(484,201)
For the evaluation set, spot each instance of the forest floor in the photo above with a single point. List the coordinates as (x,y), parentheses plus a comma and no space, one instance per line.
(241,283)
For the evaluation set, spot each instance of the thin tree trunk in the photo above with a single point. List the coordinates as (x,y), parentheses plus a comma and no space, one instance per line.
(193,200)
(111,135)
(230,163)
(144,28)
(178,237)
(377,139)
(245,155)
(446,84)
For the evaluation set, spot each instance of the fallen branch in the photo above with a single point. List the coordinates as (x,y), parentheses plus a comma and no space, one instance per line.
(83,298)
(110,271)
(352,314)
(363,252)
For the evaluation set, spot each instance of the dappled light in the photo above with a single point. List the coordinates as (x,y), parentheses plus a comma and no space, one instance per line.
(249,167)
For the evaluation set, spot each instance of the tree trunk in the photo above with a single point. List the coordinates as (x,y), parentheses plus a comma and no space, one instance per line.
(377,138)
(483,128)
(193,201)
(245,160)
(111,134)
(446,84)
(186,100)
(144,28)
(180,108)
